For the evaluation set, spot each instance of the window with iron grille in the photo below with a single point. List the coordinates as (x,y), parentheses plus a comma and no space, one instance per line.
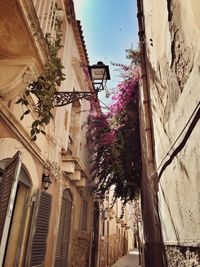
(84,216)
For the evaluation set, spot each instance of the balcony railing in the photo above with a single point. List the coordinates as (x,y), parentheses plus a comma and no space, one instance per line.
(50,14)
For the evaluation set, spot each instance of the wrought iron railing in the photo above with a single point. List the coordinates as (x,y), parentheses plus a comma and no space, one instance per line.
(50,14)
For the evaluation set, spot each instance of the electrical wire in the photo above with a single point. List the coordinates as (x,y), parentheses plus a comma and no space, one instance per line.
(105,106)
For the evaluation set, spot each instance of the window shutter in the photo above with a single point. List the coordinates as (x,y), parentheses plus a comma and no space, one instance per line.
(60,234)
(7,197)
(84,216)
(39,230)
(64,230)
(66,235)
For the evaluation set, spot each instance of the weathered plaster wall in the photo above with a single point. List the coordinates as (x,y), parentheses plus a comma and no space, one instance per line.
(19,42)
(173,56)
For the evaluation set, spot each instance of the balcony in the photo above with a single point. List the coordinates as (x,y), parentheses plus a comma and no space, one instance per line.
(74,169)
(50,15)
(23,50)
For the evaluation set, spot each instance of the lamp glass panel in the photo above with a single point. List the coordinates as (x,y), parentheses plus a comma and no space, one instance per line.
(98,74)
(46,185)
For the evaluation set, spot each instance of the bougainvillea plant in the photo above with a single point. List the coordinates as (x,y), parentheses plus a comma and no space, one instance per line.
(114,140)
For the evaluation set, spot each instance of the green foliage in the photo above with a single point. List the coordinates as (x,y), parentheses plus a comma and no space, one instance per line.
(134,56)
(44,88)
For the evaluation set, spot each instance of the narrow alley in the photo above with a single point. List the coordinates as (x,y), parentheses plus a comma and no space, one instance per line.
(129,260)
(99,133)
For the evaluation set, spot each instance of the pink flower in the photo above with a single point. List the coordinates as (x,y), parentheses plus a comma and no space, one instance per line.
(108,138)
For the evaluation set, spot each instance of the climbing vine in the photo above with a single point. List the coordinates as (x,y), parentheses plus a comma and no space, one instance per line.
(44,87)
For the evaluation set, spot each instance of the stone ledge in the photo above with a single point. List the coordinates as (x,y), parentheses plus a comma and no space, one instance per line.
(17,75)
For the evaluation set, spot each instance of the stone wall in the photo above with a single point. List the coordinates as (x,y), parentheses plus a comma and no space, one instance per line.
(80,250)
(173,56)
(112,249)
(103,253)
(182,256)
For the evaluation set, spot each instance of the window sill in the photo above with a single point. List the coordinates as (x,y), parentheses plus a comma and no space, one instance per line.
(82,235)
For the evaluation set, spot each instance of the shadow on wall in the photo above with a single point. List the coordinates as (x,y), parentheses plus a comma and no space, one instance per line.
(170,215)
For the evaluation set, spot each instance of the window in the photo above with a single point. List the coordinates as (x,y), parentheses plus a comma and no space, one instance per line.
(84,216)
(103,228)
(74,130)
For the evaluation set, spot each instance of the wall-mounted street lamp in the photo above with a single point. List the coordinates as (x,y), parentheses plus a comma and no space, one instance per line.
(46,181)
(99,75)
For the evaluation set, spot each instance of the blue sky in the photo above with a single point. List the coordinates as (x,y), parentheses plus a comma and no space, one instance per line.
(109,28)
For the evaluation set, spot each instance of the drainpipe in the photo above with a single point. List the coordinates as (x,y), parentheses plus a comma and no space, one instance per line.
(99,240)
(91,236)
(146,96)
(153,247)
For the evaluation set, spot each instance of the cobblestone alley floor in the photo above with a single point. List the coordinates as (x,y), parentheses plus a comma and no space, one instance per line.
(129,260)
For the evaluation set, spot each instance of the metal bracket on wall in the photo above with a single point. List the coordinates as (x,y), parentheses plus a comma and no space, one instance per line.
(65,98)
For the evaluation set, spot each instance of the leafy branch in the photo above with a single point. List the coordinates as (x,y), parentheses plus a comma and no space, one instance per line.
(44,88)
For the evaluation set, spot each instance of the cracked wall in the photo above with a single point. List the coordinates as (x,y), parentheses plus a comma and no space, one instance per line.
(172,34)
(182,56)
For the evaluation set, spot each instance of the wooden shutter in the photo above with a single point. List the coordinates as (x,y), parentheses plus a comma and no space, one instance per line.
(7,197)
(64,230)
(66,235)
(84,216)
(39,230)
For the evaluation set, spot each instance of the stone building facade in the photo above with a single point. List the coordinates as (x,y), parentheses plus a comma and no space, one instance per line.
(170,100)
(38,227)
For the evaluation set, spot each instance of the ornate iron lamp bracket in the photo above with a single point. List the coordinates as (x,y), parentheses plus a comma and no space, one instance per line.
(65,98)
(99,74)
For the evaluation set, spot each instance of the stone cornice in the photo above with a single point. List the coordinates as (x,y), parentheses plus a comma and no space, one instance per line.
(78,32)
(17,74)
(78,164)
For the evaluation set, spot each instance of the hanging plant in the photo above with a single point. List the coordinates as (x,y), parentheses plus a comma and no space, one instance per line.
(44,88)
(114,140)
